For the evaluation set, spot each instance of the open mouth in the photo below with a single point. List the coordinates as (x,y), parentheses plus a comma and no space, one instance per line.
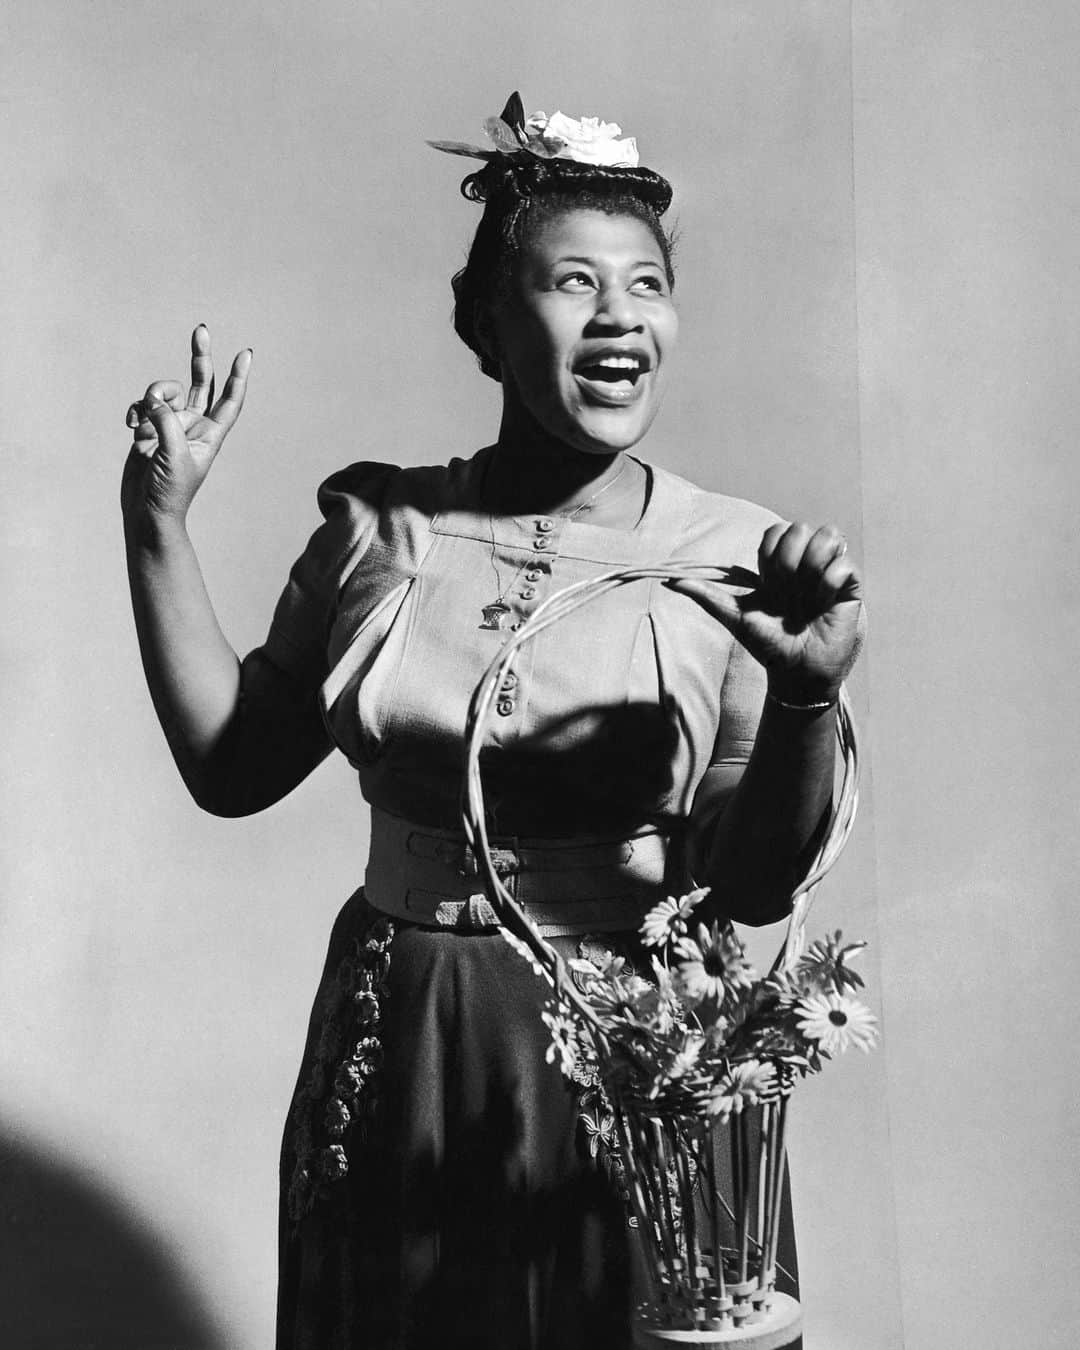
(612,377)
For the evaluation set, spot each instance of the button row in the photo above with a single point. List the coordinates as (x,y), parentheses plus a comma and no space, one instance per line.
(536,572)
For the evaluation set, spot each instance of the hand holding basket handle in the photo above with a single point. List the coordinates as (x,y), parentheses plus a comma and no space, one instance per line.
(802,616)
(836,631)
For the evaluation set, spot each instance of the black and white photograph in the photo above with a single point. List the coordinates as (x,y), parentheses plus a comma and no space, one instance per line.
(540,634)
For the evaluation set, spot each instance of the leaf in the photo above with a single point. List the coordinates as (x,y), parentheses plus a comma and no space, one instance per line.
(462,148)
(502,136)
(514,112)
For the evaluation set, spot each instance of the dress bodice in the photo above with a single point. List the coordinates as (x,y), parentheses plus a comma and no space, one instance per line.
(611,717)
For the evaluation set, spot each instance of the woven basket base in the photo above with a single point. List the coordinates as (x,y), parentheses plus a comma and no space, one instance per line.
(778,1329)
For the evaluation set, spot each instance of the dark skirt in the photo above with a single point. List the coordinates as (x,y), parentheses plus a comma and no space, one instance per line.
(443,1184)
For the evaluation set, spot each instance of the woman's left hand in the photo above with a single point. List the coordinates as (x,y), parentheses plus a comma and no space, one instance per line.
(804,620)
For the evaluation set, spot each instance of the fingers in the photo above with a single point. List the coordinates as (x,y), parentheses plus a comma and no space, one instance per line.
(199,401)
(161,391)
(166,430)
(227,409)
(714,598)
(201,393)
(839,581)
(803,571)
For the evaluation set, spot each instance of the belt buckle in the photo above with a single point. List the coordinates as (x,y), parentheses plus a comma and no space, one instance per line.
(504,862)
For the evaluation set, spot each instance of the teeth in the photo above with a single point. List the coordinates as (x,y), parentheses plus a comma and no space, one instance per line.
(619,362)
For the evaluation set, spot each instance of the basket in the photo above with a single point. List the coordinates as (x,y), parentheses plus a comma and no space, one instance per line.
(711,1260)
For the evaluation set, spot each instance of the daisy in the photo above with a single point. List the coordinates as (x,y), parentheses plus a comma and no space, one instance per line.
(665,1007)
(713,965)
(667,920)
(563,1041)
(825,963)
(683,1060)
(622,995)
(835,1021)
(742,1085)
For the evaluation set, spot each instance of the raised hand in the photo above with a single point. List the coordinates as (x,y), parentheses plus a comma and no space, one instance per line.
(804,619)
(177,438)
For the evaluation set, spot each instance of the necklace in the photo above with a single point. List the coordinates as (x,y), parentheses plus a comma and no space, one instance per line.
(497,610)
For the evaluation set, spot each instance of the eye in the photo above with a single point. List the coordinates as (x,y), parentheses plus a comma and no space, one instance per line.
(575,281)
(649,283)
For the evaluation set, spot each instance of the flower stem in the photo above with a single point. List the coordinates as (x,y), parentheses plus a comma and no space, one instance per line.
(736,1178)
(714,1213)
(769,1141)
(646,1167)
(764,1163)
(744,1208)
(665,1190)
(778,1187)
(689,1210)
(645,1226)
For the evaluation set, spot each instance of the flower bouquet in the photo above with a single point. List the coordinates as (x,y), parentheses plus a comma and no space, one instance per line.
(689,1056)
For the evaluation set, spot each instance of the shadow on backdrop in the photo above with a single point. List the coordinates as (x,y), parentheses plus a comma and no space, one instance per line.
(79,1272)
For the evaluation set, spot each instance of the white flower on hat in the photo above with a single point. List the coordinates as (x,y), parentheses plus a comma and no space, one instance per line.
(588,140)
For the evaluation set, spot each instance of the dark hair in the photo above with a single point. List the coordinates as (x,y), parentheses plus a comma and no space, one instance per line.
(520,193)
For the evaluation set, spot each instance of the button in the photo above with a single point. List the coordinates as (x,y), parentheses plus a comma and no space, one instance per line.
(545,525)
(504,707)
(542,543)
(533,574)
(509,681)
(527,592)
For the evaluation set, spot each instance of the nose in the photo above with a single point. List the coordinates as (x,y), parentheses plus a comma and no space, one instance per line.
(616,311)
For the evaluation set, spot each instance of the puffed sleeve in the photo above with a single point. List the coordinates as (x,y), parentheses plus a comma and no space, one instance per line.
(349,501)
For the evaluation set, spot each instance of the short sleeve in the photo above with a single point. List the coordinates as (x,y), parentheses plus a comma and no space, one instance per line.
(350,501)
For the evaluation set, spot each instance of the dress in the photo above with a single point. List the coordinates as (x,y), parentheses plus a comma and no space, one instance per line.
(443,1185)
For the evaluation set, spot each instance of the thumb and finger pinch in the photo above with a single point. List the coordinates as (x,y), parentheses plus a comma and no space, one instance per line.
(201,420)
(177,436)
(199,398)
(803,609)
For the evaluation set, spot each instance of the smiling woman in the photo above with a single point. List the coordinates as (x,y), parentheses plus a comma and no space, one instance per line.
(582,343)
(442,1184)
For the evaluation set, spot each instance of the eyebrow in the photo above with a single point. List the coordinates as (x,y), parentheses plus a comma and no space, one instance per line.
(591,262)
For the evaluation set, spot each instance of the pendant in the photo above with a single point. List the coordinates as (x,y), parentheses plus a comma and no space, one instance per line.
(494,614)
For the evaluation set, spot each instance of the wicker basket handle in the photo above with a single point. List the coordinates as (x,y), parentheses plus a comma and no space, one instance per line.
(555,608)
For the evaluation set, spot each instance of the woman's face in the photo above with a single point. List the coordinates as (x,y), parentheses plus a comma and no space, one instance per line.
(584,337)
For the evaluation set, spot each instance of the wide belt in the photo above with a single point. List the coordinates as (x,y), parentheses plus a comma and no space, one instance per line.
(590,884)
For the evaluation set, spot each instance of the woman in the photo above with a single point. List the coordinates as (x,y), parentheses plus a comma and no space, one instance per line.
(439,1187)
